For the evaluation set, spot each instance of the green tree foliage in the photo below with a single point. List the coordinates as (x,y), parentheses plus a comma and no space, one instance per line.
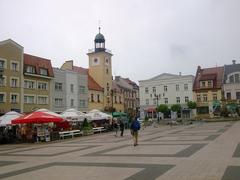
(86,124)
(192,105)
(176,108)
(162,108)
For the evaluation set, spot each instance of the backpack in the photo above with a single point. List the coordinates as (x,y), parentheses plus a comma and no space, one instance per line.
(135,125)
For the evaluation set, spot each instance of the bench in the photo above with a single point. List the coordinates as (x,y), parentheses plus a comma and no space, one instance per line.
(70,133)
(98,129)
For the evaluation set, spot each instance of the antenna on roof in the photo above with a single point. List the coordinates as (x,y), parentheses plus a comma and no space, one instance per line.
(216,64)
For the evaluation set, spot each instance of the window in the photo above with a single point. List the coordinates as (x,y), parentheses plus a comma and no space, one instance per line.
(120,99)
(177,87)
(198,98)
(185,87)
(71,88)
(95,60)
(82,103)
(42,100)
(58,102)
(14,66)
(14,82)
(154,102)
(150,95)
(228,96)
(115,99)
(92,98)
(30,69)
(29,84)
(154,89)
(29,99)
(2,64)
(147,101)
(2,81)
(58,86)
(203,84)
(43,71)
(166,100)
(178,100)
(210,84)
(2,98)
(231,79)
(186,99)
(205,98)
(237,95)
(82,89)
(13,98)
(42,86)
(165,88)
(107,62)
(214,96)
(146,90)
(237,78)
(106,71)
(72,102)
(98,98)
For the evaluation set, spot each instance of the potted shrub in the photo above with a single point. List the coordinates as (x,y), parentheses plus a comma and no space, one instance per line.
(87,128)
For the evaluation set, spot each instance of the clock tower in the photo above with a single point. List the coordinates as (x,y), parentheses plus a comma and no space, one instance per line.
(100,68)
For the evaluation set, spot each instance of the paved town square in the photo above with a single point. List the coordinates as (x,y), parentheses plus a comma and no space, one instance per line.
(208,151)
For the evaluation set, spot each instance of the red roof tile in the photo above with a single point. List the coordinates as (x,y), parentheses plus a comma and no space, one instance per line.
(115,87)
(38,63)
(93,85)
(215,74)
(80,70)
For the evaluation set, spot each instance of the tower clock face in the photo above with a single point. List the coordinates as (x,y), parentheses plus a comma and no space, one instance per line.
(95,61)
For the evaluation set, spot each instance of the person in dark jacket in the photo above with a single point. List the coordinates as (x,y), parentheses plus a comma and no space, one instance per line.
(121,128)
(135,127)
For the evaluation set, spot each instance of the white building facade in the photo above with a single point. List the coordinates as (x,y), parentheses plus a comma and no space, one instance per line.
(166,89)
(70,90)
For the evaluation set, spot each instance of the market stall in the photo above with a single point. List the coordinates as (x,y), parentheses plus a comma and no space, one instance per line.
(38,125)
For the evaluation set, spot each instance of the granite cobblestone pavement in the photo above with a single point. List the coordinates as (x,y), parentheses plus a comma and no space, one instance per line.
(206,151)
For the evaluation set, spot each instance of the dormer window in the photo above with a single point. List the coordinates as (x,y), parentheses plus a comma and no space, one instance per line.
(43,72)
(203,84)
(30,69)
(210,84)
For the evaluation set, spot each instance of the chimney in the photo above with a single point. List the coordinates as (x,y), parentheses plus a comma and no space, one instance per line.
(199,67)
(180,73)
(234,61)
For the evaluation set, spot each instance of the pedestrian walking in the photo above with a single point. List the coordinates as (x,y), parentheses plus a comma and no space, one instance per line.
(135,127)
(115,126)
(121,128)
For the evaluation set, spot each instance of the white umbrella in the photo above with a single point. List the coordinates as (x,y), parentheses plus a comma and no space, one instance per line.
(8,117)
(73,115)
(97,115)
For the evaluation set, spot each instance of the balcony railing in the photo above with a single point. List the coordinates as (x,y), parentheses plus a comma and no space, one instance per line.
(93,50)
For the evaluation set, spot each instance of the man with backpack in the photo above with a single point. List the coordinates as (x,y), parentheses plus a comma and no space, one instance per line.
(135,127)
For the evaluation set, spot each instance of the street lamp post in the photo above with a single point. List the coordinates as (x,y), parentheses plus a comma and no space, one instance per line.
(157,97)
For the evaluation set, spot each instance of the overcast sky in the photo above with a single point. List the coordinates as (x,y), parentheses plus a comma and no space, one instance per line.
(147,37)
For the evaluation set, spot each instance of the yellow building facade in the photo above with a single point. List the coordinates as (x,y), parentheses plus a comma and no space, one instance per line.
(11,65)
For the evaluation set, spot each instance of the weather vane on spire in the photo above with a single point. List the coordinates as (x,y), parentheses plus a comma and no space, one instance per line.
(99,25)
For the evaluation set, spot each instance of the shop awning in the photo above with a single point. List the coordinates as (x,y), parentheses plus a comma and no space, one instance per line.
(151,110)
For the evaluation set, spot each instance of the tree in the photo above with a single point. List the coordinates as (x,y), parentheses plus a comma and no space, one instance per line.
(176,108)
(192,105)
(162,108)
